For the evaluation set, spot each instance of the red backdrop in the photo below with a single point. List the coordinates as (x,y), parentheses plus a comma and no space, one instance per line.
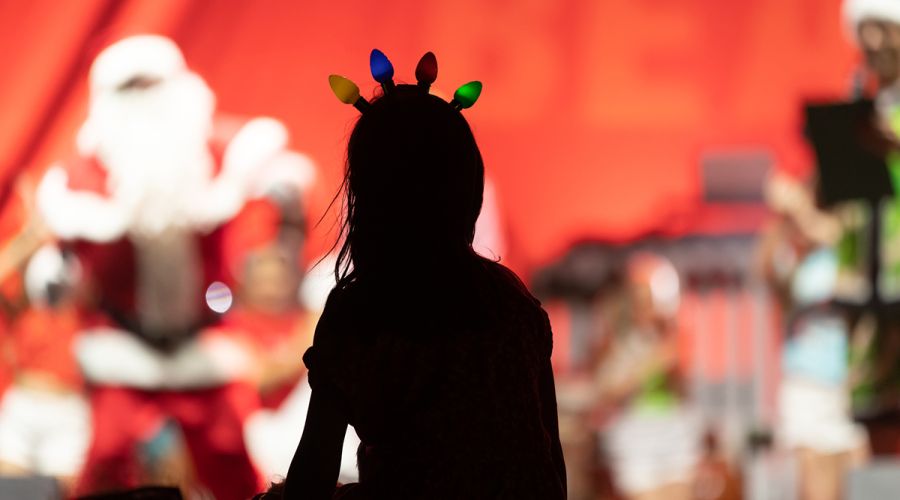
(591,122)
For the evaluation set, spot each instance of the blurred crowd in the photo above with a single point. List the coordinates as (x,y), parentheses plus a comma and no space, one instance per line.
(638,410)
(155,304)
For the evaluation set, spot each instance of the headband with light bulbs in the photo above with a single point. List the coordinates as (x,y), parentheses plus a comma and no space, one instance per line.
(383,72)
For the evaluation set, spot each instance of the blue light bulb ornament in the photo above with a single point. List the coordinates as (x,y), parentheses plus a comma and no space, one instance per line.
(382,70)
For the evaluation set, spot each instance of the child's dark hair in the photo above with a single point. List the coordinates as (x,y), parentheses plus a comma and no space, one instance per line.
(413,185)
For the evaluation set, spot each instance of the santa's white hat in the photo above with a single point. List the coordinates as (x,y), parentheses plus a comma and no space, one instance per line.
(143,55)
(151,56)
(856,11)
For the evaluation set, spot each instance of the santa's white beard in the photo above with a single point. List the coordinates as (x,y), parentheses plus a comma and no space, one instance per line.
(154,146)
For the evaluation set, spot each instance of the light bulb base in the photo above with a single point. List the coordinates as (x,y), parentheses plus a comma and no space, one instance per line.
(362,105)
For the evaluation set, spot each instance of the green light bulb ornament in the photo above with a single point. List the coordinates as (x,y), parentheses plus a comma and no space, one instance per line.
(465,96)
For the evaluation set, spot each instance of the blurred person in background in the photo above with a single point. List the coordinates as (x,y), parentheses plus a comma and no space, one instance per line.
(651,438)
(272,432)
(814,418)
(875,344)
(268,313)
(146,206)
(276,308)
(44,416)
(21,234)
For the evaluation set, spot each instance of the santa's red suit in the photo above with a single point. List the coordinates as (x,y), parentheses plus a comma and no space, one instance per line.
(146,206)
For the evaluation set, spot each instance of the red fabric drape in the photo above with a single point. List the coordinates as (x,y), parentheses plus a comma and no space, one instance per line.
(592,117)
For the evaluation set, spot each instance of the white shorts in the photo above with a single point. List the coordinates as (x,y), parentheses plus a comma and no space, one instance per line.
(816,416)
(272,437)
(650,450)
(44,433)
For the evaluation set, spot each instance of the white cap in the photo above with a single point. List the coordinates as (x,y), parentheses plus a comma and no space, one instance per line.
(856,11)
(147,55)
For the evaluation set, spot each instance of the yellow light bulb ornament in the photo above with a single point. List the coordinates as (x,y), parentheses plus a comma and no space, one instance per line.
(347,92)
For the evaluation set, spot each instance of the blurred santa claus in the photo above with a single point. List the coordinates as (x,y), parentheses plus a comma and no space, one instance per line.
(146,206)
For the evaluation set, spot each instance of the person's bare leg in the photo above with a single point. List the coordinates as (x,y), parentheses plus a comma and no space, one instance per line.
(67,485)
(822,474)
(644,495)
(11,469)
(859,455)
(676,491)
(671,491)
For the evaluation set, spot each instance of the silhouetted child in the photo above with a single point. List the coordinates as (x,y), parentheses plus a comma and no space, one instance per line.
(438,357)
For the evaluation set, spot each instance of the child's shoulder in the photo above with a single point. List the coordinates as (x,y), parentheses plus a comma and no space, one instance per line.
(334,323)
(508,281)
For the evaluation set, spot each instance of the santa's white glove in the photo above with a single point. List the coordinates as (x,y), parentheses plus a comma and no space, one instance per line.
(255,144)
(288,172)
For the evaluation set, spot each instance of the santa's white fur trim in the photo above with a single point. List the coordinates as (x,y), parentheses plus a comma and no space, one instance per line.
(86,139)
(78,214)
(114,357)
(145,55)
(856,11)
(209,360)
